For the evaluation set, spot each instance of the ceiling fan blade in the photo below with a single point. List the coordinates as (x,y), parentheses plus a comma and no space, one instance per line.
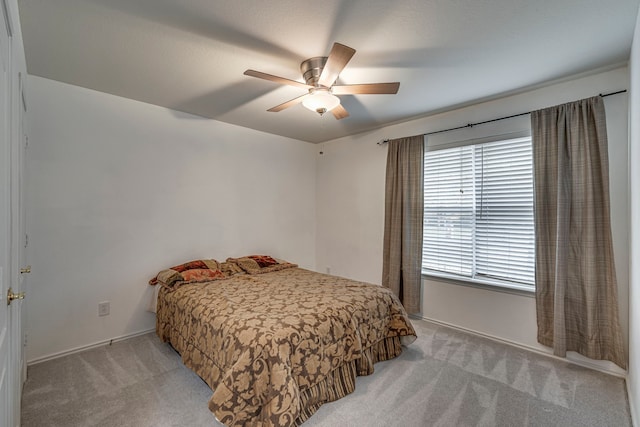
(337,60)
(369,88)
(339,112)
(288,104)
(276,79)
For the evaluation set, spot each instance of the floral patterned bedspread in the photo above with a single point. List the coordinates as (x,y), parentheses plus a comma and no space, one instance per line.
(261,340)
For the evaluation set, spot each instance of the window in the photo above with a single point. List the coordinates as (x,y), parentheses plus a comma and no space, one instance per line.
(478,213)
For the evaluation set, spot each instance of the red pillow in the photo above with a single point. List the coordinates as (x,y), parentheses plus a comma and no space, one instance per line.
(190,266)
(263,260)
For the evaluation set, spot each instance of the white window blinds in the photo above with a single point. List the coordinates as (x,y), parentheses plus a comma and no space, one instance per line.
(478,212)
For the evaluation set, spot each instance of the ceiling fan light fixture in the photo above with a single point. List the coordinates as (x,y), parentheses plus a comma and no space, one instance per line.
(321,100)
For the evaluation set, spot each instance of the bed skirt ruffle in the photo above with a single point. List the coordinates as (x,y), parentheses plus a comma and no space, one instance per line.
(342,380)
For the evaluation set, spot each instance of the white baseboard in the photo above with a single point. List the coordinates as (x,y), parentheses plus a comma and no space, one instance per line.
(87,347)
(615,371)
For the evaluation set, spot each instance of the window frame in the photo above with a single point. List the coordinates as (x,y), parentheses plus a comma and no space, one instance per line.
(482,282)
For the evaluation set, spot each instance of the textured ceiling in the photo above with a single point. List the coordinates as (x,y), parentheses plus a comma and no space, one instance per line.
(189,55)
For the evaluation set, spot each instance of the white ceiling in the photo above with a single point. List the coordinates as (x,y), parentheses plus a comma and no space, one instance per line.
(189,55)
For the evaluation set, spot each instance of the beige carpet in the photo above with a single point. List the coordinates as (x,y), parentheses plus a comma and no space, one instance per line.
(445,378)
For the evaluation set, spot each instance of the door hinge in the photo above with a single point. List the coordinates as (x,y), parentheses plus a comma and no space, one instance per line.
(26,240)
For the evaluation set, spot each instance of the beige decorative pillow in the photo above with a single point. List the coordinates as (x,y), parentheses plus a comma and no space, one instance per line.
(248,265)
(211,264)
(231,268)
(258,264)
(168,277)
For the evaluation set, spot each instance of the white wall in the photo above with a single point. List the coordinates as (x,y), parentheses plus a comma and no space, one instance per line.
(119,189)
(350,205)
(633,379)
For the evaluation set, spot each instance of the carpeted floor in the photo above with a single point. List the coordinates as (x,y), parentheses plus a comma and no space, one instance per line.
(445,378)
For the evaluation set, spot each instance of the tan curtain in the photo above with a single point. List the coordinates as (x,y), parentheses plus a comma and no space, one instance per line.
(576,291)
(404,201)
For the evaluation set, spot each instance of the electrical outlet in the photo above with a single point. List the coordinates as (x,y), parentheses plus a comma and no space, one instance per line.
(104,308)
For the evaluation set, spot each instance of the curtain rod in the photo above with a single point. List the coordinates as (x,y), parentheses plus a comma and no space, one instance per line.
(470,125)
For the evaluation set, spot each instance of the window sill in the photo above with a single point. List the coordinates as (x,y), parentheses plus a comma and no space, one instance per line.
(489,285)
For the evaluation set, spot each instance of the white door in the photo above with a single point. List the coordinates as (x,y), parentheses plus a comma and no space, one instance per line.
(23,238)
(19,267)
(6,392)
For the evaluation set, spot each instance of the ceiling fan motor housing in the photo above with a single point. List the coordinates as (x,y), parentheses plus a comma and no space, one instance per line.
(312,68)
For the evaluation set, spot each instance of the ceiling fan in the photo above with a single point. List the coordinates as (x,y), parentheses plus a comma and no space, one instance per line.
(320,74)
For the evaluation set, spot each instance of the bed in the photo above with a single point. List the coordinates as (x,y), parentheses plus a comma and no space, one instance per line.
(274,341)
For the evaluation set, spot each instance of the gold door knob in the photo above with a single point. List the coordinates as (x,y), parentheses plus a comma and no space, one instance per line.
(27,269)
(11,296)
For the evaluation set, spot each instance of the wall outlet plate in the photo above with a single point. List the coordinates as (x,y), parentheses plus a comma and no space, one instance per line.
(104,308)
